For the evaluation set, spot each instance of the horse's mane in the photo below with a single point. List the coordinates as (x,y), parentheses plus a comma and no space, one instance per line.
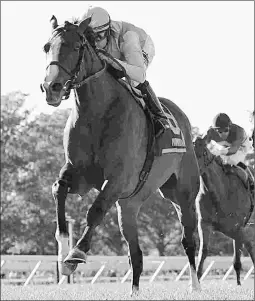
(89,32)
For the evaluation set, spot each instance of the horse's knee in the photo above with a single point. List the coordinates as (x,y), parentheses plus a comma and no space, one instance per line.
(59,188)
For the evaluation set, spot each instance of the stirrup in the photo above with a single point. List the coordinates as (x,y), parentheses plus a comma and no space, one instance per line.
(160,126)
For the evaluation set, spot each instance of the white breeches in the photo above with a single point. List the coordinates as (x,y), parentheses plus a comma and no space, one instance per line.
(240,155)
(148,53)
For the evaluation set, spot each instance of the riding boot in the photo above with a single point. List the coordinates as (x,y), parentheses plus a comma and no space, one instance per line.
(154,105)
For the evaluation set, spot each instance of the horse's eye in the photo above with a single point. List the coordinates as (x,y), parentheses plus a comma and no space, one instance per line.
(46,47)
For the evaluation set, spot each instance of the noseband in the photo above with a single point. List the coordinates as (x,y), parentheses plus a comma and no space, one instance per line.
(72,83)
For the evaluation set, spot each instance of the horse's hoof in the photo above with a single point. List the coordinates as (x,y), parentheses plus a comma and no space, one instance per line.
(66,269)
(134,292)
(75,256)
(195,288)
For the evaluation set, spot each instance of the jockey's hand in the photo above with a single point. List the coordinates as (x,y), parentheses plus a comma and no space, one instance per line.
(217,149)
(109,61)
(223,151)
(220,152)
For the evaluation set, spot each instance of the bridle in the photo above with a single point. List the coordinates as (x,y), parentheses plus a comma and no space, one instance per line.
(72,83)
(206,160)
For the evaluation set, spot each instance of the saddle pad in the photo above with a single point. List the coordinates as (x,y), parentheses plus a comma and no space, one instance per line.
(172,140)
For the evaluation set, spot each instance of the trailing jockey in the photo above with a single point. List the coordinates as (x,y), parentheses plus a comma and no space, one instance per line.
(236,144)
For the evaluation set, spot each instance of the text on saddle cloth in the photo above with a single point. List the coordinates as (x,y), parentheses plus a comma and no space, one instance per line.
(172,140)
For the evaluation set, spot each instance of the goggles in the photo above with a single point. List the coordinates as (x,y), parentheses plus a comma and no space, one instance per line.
(220,131)
(101,35)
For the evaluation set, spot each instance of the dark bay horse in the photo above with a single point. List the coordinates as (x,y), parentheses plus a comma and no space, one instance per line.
(226,205)
(105,144)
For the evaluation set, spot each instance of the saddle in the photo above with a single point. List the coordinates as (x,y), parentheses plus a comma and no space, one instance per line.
(241,173)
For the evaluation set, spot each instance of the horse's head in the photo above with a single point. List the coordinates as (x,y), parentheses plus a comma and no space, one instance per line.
(204,156)
(66,62)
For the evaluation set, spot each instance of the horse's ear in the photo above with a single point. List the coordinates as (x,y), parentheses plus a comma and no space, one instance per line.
(54,22)
(83,25)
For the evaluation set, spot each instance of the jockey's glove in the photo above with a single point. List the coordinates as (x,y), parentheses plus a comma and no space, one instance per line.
(222,152)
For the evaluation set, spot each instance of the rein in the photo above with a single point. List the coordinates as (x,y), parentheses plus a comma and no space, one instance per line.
(207,161)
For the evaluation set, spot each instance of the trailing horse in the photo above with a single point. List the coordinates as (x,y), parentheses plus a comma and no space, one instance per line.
(226,205)
(109,145)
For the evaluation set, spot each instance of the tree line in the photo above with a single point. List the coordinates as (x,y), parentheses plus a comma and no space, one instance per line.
(31,158)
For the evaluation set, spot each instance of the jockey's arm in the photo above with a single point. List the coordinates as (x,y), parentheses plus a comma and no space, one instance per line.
(235,145)
(134,63)
(233,148)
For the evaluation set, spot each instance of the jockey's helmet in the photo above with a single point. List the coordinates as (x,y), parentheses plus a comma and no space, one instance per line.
(221,121)
(100,19)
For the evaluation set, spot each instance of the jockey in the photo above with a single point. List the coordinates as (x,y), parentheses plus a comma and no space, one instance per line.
(235,143)
(133,48)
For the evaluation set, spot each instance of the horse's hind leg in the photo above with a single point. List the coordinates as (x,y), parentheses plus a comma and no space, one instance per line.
(248,239)
(237,246)
(244,236)
(184,192)
(127,216)
(204,231)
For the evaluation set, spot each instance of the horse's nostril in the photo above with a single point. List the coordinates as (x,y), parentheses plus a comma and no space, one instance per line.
(56,87)
(42,88)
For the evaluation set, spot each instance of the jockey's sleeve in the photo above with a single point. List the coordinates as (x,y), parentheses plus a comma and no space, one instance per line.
(237,143)
(134,61)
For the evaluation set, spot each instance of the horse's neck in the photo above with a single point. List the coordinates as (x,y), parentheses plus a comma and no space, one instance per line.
(215,178)
(102,96)
(102,93)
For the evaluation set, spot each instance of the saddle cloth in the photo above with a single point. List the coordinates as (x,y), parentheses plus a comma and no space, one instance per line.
(242,174)
(172,140)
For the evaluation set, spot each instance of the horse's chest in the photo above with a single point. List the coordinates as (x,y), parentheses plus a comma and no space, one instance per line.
(77,143)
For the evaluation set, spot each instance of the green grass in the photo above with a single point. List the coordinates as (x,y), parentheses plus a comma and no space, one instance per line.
(211,290)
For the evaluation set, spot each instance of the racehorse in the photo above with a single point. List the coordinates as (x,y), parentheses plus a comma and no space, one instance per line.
(225,205)
(106,140)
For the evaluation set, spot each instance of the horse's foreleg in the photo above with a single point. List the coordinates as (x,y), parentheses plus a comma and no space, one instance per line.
(95,215)
(59,192)
(186,211)
(204,231)
(237,246)
(127,217)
